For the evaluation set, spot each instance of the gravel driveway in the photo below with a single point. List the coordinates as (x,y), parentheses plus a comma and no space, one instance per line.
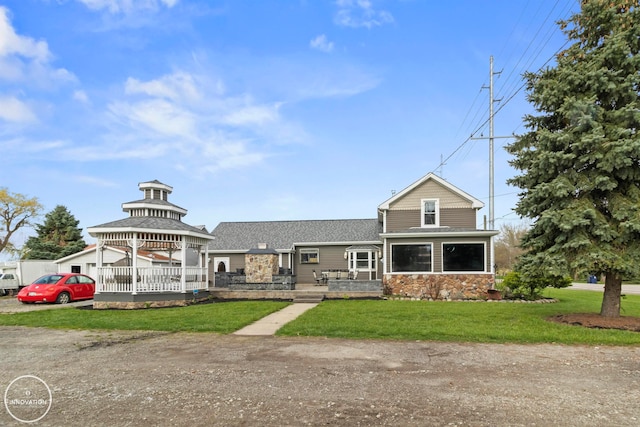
(181,379)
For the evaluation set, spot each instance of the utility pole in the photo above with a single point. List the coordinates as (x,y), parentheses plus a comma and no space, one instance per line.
(491,148)
(491,144)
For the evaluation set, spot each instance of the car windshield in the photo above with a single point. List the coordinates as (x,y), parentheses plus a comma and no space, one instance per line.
(46,280)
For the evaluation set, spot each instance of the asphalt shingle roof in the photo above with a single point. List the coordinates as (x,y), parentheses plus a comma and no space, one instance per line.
(282,235)
(152,223)
(158,202)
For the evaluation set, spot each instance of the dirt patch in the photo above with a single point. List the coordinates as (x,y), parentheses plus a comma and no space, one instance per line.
(592,320)
(120,378)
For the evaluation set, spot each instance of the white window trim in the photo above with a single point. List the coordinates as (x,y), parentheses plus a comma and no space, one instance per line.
(422,213)
(465,242)
(310,251)
(432,259)
(225,260)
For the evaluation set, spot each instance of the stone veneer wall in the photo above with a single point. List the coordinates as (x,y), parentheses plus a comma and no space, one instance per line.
(149,301)
(439,286)
(260,268)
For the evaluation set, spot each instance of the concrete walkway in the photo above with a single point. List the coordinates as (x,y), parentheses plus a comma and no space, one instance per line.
(270,324)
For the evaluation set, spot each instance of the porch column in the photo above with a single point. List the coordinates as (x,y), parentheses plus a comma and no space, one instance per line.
(492,258)
(183,268)
(385,255)
(206,266)
(134,265)
(99,260)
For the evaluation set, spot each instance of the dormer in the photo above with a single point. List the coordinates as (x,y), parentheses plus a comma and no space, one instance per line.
(155,202)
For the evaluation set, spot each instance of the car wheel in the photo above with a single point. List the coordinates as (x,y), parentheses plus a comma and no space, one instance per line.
(63,298)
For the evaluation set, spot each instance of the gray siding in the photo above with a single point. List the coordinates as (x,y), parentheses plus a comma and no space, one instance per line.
(400,220)
(458,218)
(331,258)
(431,190)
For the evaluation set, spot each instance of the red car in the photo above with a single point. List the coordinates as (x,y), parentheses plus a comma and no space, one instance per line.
(61,288)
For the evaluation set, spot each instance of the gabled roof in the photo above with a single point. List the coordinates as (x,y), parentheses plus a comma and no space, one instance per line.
(284,235)
(475,203)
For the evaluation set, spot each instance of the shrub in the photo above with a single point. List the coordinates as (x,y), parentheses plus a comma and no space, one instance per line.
(519,285)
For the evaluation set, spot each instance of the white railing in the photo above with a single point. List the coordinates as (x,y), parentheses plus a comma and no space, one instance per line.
(150,279)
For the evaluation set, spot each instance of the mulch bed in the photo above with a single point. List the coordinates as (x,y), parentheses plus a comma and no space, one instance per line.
(593,320)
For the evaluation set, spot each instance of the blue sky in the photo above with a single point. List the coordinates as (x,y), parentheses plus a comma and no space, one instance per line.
(262,110)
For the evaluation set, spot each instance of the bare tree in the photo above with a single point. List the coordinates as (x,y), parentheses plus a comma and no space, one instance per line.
(507,246)
(16,211)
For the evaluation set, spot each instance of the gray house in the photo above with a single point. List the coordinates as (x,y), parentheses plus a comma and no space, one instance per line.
(423,243)
(432,247)
(302,246)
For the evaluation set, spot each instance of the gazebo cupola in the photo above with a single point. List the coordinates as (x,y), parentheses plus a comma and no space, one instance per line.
(155,202)
(154,225)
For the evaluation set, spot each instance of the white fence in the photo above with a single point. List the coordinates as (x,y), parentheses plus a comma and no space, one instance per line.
(151,279)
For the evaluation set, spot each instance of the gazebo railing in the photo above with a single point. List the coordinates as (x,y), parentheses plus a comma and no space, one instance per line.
(150,279)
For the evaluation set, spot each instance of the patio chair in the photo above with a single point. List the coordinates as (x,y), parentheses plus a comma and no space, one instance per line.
(355,275)
(319,280)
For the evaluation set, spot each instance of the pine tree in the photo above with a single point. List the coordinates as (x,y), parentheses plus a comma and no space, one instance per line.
(580,159)
(57,237)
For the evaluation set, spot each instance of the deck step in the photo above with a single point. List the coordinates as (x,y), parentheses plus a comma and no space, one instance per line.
(309,298)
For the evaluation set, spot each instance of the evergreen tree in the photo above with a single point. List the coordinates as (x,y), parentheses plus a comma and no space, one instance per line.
(57,237)
(580,159)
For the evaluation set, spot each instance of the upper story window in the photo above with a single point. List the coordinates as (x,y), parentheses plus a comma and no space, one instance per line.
(430,213)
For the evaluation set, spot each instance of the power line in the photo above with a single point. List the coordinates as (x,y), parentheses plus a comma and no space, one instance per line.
(503,104)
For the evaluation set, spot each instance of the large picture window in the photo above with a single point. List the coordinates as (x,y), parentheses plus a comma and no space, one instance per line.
(463,257)
(411,258)
(309,256)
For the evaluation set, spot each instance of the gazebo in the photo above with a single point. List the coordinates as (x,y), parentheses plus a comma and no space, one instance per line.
(154,225)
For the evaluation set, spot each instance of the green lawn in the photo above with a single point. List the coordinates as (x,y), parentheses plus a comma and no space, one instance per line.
(224,317)
(464,321)
(493,322)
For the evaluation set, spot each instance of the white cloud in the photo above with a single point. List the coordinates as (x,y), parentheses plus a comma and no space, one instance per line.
(14,44)
(360,13)
(176,86)
(186,121)
(99,182)
(321,43)
(156,115)
(253,114)
(81,96)
(14,110)
(128,6)
(25,59)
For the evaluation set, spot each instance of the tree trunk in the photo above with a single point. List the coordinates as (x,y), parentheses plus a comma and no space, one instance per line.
(611,298)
